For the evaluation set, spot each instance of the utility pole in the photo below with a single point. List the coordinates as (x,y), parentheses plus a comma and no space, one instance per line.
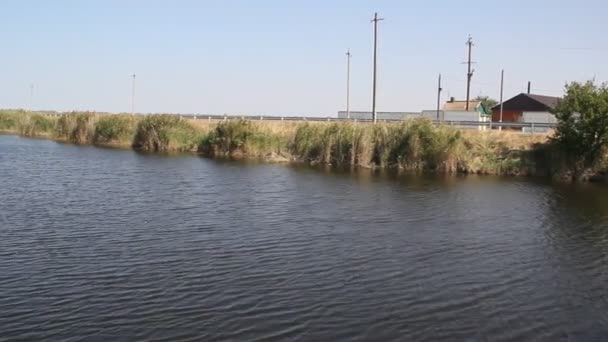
(502,84)
(133,95)
(375,21)
(348,57)
(469,71)
(439,89)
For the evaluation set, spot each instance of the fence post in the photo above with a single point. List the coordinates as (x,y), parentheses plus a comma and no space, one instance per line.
(532,128)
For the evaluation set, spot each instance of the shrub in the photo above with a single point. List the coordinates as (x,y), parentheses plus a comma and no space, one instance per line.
(32,125)
(241,137)
(166,133)
(9,119)
(115,129)
(582,131)
(77,127)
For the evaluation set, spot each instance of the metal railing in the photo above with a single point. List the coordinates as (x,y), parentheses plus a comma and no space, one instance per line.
(531,125)
(468,124)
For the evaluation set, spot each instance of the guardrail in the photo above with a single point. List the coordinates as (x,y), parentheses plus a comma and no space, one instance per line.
(531,125)
(471,124)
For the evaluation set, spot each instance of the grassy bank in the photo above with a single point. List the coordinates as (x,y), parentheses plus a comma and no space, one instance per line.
(416,145)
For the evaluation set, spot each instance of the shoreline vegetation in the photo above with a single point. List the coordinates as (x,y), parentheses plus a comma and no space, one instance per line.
(415,145)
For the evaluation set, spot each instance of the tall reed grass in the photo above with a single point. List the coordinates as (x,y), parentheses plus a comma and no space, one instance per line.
(165,133)
(116,130)
(416,145)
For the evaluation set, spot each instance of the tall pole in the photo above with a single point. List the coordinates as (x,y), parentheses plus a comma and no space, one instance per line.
(31,105)
(529,86)
(348,57)
(133,95)
(375,21)
(502,84)
(469,71)
(438,96)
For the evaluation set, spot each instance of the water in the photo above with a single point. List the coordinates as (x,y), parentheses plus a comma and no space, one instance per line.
(107,245)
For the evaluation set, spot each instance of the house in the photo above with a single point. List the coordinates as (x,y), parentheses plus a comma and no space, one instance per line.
(527,108)
(454,110)
(379,115)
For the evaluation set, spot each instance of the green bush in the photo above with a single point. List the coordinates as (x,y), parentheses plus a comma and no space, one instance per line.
(115,129)
(33,125)
(166,133)
(9,119)
(76,127)
(416,145)
(336,143)
(582,131)
(241,137)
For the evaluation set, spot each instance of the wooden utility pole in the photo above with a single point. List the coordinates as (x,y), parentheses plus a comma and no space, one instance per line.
(31,105)
(375,21)
(502,84)
(133,95)
(469,71)
(439,89)
(348,57)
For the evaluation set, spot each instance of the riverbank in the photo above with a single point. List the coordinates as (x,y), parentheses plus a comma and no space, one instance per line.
(416,145)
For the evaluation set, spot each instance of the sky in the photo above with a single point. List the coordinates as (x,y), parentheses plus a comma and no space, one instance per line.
(277,57)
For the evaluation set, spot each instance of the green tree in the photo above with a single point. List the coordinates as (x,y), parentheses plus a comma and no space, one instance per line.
(487,102)
(582,131)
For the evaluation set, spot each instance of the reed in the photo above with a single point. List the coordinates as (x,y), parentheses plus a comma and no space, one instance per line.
(37,125)
(77,127)
(9,120)
(416,145)
(167,133)
(116,130)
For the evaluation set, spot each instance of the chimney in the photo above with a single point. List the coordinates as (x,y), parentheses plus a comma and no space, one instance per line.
(529,86)
(451,99)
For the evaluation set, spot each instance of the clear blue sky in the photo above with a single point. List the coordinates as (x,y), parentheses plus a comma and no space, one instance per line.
(288,57)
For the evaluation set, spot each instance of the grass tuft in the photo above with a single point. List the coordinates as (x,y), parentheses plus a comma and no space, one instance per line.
(116,130)
(166,133)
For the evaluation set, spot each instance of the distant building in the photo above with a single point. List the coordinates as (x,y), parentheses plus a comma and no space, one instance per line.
(527,108)
(379,115)
(454,110)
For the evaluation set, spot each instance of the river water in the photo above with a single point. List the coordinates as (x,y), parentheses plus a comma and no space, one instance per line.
(110,245)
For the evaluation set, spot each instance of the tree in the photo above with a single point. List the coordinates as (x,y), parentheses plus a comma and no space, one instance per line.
(487,101)
(582,130)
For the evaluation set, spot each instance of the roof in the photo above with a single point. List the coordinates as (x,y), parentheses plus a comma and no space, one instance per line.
(529,103)
(548,101)
(460,105)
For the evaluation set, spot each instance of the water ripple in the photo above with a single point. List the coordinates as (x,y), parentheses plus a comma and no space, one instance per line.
(103,245)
